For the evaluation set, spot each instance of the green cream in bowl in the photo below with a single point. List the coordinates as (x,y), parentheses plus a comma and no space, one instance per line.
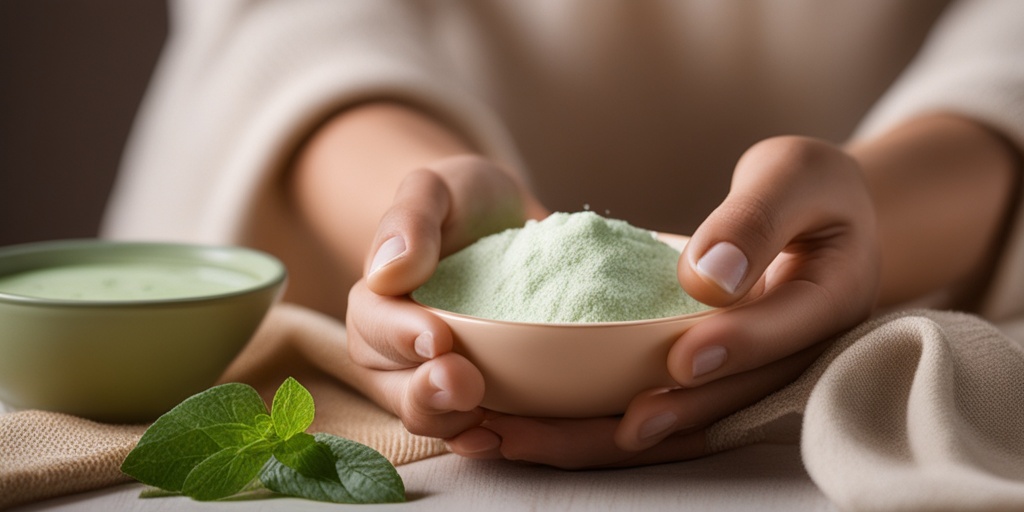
(124,331)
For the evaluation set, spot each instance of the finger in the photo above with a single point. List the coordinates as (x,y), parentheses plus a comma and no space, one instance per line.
(389,333)
(658,414)
(798,217)
(448,383)
(568,443)
(484,199)
(784,190)
(476,443)
(788,318)
(438,210)
(440,398)
(407,245)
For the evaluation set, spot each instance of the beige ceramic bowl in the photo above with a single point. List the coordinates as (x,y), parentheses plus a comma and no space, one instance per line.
(569,370)
(127,360)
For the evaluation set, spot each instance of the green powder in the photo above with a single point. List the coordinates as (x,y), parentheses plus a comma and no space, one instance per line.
(568,268)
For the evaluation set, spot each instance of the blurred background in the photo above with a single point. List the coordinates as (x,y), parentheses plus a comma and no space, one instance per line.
(72,73)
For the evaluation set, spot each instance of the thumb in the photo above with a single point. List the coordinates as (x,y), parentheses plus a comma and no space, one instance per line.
(407,245)
(727,254)
(776,200)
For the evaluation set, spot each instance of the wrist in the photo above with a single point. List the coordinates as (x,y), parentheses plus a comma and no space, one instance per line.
(942,187)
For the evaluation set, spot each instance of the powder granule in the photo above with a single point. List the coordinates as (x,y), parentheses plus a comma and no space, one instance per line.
(567,268)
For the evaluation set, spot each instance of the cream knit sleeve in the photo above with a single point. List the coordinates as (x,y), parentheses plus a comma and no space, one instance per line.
(242,82)
(972,64)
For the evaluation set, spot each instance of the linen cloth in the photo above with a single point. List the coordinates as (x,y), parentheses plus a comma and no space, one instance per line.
(917,410)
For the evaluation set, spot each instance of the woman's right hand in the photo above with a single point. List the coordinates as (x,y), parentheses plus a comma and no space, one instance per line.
(404,353)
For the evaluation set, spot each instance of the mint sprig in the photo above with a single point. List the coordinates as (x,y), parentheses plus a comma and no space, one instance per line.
(223,441)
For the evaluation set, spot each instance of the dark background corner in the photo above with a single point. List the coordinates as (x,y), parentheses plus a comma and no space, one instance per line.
(72,74)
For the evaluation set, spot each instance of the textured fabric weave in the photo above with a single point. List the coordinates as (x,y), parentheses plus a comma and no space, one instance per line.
(45,454)
(919,410)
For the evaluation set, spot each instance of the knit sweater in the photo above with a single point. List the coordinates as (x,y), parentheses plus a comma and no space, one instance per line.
(636,108)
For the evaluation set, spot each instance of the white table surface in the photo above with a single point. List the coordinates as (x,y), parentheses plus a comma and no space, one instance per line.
(766,477)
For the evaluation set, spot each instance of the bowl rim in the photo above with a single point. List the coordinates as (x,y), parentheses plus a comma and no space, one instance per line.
(277,277)
(445,314)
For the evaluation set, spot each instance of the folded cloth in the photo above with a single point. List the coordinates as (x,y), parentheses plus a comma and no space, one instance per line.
(918,410)
(45,454)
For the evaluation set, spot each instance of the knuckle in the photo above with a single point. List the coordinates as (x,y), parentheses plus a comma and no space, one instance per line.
(794,152)
(417,199)
(752,219)
(357,352)
(370,346)
(796,157)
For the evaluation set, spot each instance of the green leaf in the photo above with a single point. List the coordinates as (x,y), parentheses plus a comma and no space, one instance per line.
(197,429)
(226,472)
(265,425)
(292,409)
(304,454)
(360,474)
(216,443)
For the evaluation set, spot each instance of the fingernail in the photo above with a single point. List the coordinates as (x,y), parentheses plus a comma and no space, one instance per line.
(708,360)
(442,398)
(477,440)
(725,264)
(388,251)
(424,345)
(656,426)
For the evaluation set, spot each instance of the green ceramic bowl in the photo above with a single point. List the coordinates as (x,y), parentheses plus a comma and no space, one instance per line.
(124,331)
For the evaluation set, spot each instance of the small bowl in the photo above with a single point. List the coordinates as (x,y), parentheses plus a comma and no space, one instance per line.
(121,332)
(567,370)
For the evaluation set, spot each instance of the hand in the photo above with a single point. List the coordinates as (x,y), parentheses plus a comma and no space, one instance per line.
(797,231)
(404,354)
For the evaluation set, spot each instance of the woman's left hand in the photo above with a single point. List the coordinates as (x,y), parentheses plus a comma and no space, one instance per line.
(796,236)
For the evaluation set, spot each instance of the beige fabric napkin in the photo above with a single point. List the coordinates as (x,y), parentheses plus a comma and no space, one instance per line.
(918,410)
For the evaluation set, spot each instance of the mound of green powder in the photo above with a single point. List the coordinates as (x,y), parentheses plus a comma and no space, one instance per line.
(577,267)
